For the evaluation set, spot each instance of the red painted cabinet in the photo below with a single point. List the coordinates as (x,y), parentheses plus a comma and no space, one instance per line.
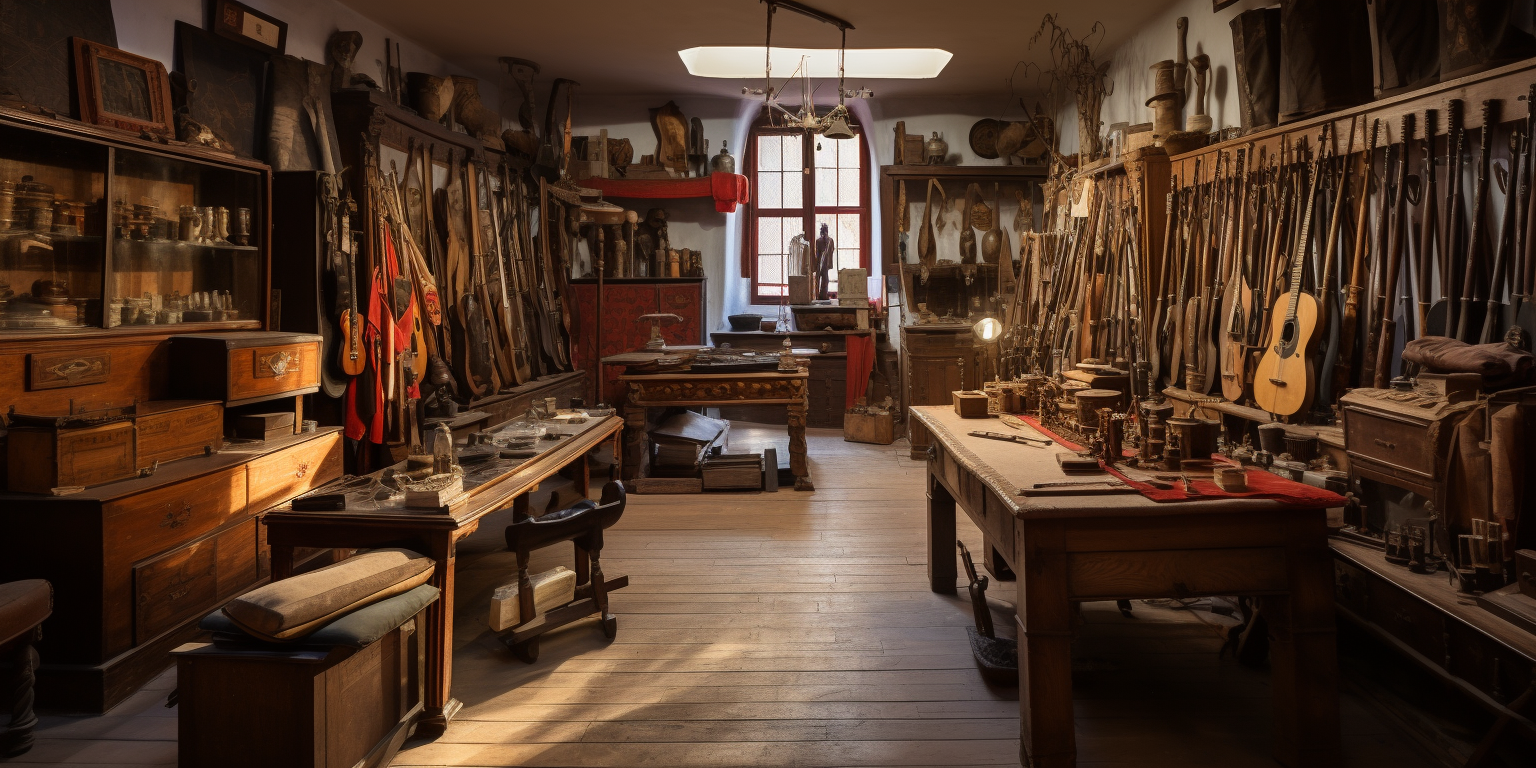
(624,301)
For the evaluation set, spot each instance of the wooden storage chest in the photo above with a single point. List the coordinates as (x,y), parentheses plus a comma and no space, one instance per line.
(167,430)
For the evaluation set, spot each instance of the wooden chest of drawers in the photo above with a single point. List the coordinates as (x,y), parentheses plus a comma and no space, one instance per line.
(240,368)
(136,563)
(1404,437)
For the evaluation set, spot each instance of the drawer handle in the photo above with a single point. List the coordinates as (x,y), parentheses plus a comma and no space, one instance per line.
(1387,444)
(275,364)
(178,594)
(302,471)
(174,520)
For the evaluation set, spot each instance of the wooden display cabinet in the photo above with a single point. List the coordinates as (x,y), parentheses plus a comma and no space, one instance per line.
(940,359)
(102,230)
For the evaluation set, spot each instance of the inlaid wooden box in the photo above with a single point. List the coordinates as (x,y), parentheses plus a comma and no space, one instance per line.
(245,367)
(166,430)
(39,459)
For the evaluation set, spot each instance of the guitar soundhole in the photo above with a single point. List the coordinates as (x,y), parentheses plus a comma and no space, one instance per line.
(1288,333)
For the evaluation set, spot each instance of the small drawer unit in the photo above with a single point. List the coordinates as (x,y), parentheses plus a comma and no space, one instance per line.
(246,367)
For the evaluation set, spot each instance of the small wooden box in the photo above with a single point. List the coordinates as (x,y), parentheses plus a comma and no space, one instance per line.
(166,430)
(879,429)
(970,405)
(263,426)
(734,472)
(39,459)
(820,316)
(245,367)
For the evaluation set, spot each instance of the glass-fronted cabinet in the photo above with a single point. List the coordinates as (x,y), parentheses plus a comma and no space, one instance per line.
(51,231)
(105,233)
(185,248)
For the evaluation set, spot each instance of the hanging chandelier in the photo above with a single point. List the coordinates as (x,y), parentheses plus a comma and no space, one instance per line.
(833,124)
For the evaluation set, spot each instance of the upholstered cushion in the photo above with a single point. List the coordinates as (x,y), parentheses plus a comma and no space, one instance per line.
(23,605)
(292,608)
(357,629)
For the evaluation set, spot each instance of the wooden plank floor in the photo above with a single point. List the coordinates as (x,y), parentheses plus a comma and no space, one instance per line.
(793,629)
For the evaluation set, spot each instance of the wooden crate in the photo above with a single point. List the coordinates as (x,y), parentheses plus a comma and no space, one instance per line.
(167,430)
(39,459)
(879,429)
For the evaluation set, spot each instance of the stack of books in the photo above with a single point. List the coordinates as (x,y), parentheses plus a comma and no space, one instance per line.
(682,440)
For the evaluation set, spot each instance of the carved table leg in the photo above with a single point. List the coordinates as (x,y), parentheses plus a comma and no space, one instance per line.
(635,440)
(439,705)
(797,462)
(18,737)
(1046,739)
(1303,662)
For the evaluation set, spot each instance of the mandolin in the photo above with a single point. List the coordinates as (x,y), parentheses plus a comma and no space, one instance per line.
(1283,382)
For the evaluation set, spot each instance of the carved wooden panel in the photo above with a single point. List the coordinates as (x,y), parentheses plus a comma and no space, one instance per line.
(58,370)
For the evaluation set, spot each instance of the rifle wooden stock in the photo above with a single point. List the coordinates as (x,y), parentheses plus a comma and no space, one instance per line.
(1394,263)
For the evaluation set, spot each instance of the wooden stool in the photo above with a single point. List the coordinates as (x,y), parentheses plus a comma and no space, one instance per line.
(24,605)
(581,524)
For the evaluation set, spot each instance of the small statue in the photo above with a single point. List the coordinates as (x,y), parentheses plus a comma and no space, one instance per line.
(341,51)
(826,256)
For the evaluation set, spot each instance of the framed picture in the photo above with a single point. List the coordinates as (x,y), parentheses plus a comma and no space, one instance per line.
(120,90)
(240,22)
(35,51)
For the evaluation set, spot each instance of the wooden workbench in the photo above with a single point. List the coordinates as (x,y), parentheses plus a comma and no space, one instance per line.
(1079,548)
(489,487)
(703,390)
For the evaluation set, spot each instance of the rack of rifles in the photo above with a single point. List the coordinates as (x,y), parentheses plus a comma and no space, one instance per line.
(1278,282)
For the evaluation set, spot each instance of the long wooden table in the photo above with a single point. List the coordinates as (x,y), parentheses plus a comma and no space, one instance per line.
(696,390)
(1067,549)
(490,487)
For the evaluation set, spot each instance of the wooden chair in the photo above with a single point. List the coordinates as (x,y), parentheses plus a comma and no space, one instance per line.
(583,525)
(24,605)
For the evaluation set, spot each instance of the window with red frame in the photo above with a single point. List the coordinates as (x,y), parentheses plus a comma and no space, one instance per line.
(800,182)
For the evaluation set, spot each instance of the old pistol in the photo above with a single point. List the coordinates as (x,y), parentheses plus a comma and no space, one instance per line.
(1036,442)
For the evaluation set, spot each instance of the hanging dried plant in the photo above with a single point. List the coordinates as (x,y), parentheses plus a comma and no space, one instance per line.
(1074,73)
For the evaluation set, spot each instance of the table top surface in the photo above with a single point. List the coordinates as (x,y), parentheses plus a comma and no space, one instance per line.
(1007,467)
(800,373)
(488,485)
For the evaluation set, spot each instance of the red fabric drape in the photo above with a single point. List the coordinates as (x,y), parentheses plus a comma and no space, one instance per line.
(861,361)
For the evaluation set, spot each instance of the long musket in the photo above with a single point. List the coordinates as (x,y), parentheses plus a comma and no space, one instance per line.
(1394,257)
(1479,206)
(1427,225)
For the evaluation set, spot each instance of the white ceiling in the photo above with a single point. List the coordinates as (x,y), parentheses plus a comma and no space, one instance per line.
(630,46)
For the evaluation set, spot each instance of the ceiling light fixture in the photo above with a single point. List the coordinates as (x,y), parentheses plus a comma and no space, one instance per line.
(746,61)
(835,123)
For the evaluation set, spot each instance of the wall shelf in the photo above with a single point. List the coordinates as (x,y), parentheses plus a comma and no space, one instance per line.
(727,189)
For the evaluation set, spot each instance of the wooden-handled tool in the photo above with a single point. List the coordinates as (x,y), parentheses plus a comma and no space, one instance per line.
(1036,442)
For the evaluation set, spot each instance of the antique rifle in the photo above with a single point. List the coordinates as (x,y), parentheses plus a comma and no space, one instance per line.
(1479,207)
(1394,257)
(1442,314)
(1327,294)
(1386,195)
(1427,226)
(1493,316)
(1525,306)
(1161,290)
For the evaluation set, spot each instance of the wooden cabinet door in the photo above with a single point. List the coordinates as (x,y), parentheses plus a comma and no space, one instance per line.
(932,379)
(687,301)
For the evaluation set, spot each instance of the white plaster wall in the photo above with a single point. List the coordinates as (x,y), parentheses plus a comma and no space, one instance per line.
(147,28)
(1130,67)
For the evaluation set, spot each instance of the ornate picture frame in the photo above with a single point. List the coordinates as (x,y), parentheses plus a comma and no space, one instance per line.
(120,90)
(242,23)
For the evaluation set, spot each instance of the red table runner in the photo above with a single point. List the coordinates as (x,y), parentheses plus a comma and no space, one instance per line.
(1261,484)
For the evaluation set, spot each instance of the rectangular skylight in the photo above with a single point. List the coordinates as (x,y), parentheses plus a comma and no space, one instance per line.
(746,61)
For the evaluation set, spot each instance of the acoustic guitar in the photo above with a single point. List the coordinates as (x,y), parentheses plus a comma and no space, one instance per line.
(1283,382)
